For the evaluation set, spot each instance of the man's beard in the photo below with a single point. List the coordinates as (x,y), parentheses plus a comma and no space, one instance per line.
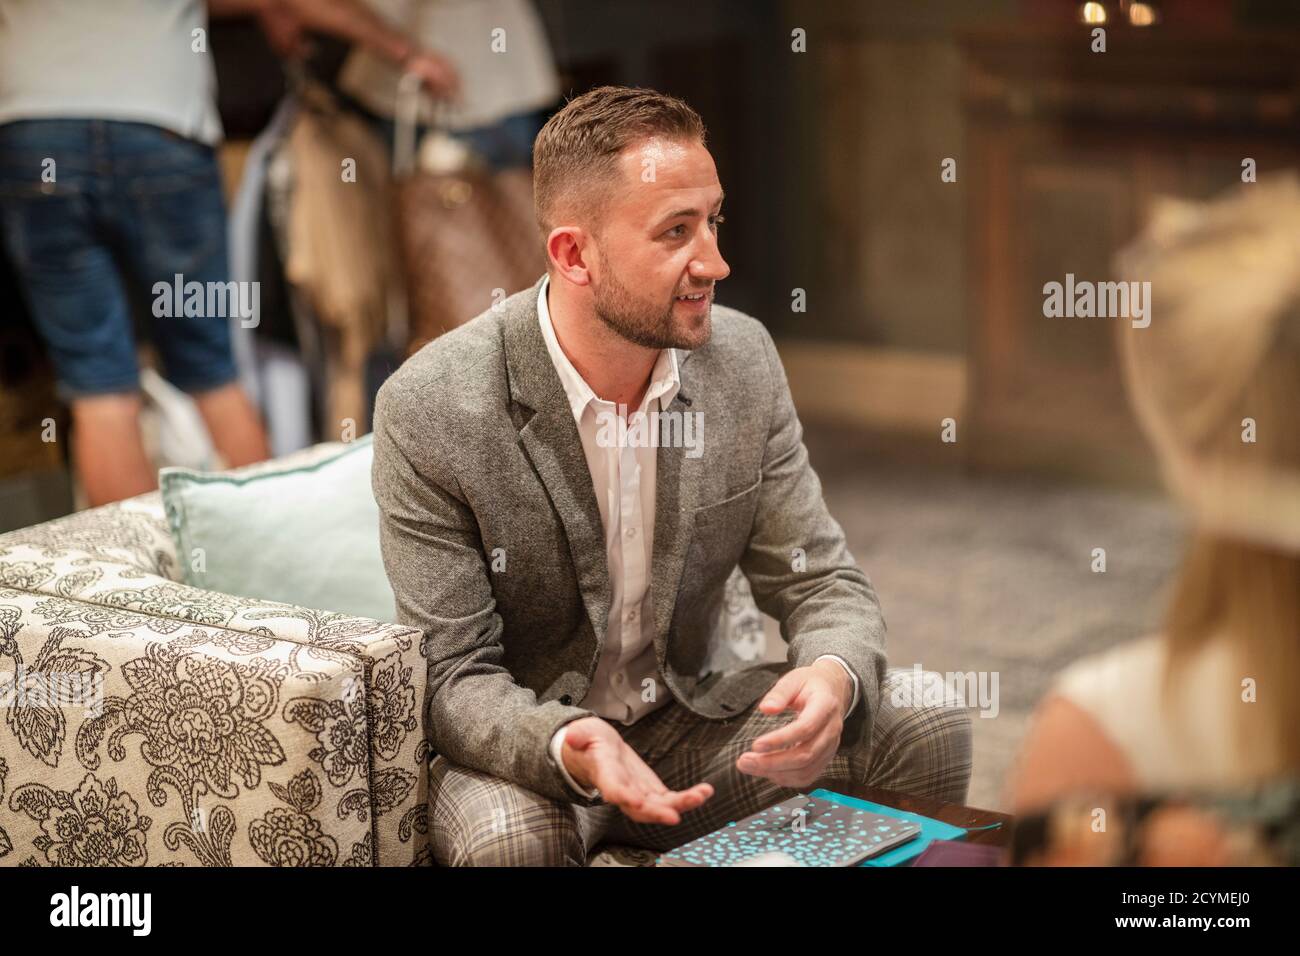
(642,323)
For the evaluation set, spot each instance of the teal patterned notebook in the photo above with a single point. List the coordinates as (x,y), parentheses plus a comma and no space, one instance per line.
(931,829)
(800,831)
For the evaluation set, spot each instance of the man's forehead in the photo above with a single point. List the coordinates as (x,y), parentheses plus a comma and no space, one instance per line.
(671,170)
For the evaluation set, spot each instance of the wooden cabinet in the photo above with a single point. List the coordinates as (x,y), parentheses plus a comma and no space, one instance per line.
(1065,148)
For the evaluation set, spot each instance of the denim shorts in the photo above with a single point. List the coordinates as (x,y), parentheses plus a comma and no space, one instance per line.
(505,144)
(130,205)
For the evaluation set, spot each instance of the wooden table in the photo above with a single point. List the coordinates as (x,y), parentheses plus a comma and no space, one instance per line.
(955,813)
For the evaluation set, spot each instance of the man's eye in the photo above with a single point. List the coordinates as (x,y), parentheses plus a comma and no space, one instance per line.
(678,231)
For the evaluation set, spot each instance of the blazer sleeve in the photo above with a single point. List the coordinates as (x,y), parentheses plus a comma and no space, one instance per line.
(477,715)
(799,566)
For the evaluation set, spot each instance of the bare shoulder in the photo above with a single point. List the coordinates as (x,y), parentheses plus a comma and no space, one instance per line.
(1065,751)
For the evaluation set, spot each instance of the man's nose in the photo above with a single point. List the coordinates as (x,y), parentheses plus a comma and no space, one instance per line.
(709,264)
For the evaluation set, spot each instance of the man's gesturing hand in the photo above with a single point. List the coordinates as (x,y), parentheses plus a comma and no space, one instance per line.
(596,756)
(797,754)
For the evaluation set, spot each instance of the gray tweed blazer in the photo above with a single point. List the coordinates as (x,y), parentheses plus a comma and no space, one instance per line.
(493,542)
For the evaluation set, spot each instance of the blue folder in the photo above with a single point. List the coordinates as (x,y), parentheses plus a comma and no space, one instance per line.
(931,829)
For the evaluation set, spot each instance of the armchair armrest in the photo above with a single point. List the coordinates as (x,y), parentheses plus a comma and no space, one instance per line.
(194,727)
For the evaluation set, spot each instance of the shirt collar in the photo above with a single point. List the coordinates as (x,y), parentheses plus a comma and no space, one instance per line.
(665,378)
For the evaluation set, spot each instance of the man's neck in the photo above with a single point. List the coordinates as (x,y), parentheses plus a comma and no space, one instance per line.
(617,370)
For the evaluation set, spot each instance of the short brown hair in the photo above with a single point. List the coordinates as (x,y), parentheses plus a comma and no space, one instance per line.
(579,146)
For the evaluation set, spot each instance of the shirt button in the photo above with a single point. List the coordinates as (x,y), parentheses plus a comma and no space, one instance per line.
(631,615)
(630,532)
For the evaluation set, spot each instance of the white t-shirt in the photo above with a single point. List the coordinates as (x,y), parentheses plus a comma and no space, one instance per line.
(1185,741)
(132,60)
(499,47)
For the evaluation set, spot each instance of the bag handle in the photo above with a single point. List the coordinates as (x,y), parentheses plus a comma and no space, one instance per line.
(406,120)
(410,95)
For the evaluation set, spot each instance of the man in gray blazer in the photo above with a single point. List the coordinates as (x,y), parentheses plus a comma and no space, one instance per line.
(566,484)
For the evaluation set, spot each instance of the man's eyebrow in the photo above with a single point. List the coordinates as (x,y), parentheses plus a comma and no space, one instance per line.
(692,211)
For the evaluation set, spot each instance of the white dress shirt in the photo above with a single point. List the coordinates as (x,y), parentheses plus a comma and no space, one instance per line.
(627,684)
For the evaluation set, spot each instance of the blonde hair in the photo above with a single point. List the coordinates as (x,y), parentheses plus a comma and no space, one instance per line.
(1220,364)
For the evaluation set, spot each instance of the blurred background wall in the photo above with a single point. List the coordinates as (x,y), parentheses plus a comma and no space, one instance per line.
(923,297)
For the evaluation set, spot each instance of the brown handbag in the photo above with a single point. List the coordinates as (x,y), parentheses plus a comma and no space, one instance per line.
(467,234)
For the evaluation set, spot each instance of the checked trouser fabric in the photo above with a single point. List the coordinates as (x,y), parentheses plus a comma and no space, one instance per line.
(477,819)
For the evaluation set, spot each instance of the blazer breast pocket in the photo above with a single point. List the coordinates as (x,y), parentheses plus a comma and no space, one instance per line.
(722,531)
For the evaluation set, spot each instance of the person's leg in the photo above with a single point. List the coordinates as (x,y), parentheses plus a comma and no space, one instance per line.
(171,220)
(686,749)
(476,819)
(107,449)
(234,424)
(50,192)
(921,738)
(918,745)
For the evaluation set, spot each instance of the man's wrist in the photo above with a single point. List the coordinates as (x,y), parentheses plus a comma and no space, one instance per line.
(846,679)
(557,755)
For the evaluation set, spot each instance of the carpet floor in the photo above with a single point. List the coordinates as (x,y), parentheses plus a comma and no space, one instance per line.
(994,574)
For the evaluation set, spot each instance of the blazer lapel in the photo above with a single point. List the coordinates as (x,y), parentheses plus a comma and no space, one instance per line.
(677,487)
(551,442)
(550,439)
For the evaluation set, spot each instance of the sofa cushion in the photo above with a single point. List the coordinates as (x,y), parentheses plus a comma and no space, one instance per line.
(304,534)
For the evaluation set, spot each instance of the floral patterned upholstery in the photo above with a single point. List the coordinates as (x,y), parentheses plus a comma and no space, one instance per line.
(190,727)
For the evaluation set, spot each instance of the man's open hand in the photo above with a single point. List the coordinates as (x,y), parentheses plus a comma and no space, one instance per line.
(796,754)
(596,756)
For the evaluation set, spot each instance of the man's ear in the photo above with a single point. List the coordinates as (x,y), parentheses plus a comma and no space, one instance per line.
(567,248)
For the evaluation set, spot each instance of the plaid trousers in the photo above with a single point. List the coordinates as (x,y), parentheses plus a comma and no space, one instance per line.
(476,819)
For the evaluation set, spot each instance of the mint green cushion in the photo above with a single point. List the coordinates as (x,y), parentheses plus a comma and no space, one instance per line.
(305,535)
